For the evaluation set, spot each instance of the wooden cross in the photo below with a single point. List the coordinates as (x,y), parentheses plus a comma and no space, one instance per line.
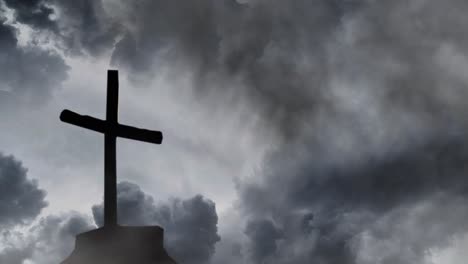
(111,130)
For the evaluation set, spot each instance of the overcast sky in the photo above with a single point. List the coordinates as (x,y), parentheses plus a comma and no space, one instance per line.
(324,131)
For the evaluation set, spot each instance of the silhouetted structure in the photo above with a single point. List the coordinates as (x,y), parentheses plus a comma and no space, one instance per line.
(113,243)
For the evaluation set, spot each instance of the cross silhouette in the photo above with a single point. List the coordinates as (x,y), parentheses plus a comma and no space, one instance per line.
(111,130)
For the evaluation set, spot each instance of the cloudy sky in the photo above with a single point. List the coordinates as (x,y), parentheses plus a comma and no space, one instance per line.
(300,131)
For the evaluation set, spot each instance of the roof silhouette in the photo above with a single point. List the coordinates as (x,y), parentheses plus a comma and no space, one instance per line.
(120,245)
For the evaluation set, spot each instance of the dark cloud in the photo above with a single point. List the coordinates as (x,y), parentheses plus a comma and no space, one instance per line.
(14,255)
(290,56)
(54,235)
(277,49)
(21,200)
(405,234)
(28,73)
(263,235)
(78,27)
(85,27)
(188,28)
(35,12)
(190,225)
(381,184)
(48,241)
(337,208)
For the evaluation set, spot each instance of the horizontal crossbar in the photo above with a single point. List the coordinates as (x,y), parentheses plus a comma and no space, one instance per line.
(114,129)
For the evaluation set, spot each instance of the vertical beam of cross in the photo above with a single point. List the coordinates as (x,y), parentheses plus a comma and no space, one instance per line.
(110,162)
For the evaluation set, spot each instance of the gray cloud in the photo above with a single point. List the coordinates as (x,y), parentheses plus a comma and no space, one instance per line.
(180,26)
(276,49)
(134,206)
(264,236)
(54,236)
(381,131)
(190,225)
(402,199)
(14,255)
(50,240)
(21,200)
(85,27)
(290,56)
(35,12)
(77,27)
(405,234)
(29,74)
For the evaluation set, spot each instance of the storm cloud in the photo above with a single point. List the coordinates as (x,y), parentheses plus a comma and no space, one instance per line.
(29,74)
(275,51)
(33,69)
(264,236)
(190,225)
(21,199)
(76,27)
(299,61)
(330,212)
(50,240)
(386,138)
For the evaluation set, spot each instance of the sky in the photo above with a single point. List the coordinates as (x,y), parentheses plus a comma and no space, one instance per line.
(324,131)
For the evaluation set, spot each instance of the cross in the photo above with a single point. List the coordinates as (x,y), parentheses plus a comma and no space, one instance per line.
(111,130)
